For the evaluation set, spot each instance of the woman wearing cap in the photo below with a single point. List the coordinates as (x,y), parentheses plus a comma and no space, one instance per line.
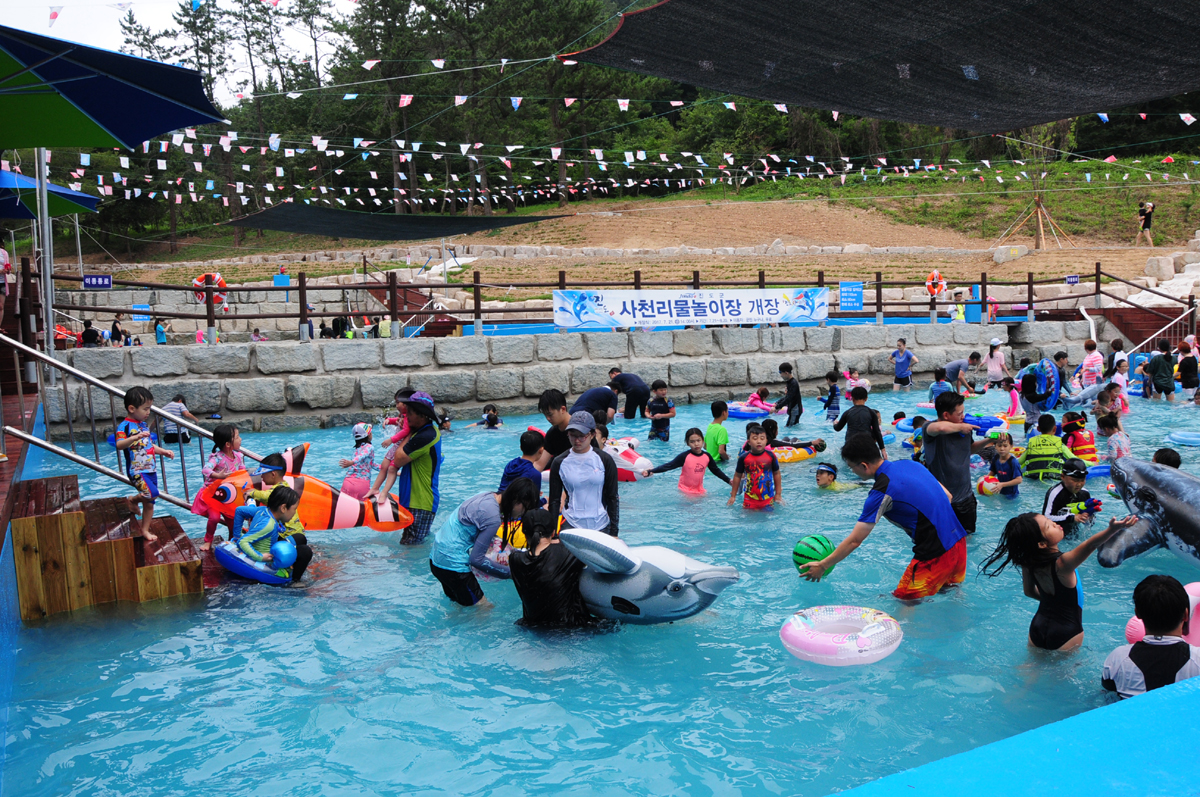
(997,367)
(358,479)
(589,478)
(419,461)
(463,540)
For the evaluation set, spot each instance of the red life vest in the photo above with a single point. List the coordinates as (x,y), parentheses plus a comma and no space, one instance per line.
(1083,445)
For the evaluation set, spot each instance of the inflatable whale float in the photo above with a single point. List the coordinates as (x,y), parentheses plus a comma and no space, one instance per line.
(1167,503)
(644,585)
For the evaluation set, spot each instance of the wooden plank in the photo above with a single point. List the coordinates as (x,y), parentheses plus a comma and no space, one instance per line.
(75,556)
(71,502)
(30,592)
(191,578)
(100,564)
(148,583)
(124,569)
(54,569)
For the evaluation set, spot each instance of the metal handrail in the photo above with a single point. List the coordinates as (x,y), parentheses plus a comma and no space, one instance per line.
(112,391)
(87,463)
(1164,329)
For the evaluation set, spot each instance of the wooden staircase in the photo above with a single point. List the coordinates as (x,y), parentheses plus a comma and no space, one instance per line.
(11,327)
(71,554)
(1136,324)
(440,326)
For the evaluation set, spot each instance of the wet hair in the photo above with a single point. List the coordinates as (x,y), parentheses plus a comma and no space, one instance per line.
(282,496)
(492,420)
(274,461)
(1059,355)
(754,429)
(858,394)
(1108,422)
(1167,456)
(1164,345)
(974,357)
(785,368)
(520,491)
(828,467)
(532,442)
(1046,423)
(1160,602)
(939,374)
(693,431)
(600,416)
(551,400)
(658,384)
(223,434)
(763,392)
(1077,420)
(601,431)
(918,422)
(771,427)
(1008,383)
(1004,437)
(177,397)
(899,416)
(947,402)
(1029,385)
(831,376)
(719,408)
(1025,361)
(1104,397)
(537,525)
(490,408)
(137,396)
(860,447)
(1019,545)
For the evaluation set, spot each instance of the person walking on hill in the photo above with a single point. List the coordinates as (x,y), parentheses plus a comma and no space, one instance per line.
(1145,217)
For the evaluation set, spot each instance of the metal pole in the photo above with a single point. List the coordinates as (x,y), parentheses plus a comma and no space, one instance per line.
(46,265)
(302,286)
(209,310)
(475,290)
(1029,299)
(821,284)
(78,246)
(394,326)
(1099,302)
(879,298)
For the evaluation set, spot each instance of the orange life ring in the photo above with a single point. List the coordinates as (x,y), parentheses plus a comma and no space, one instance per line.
(935,283)
(218,295)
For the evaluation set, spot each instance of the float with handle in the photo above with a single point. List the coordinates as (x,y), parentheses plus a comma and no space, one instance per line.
(1047,379)
(219,296)
(935,283)
(630,463)
(740,409)
(793,454)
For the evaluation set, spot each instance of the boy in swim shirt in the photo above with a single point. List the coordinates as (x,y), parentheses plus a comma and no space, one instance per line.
(271,471)
(265,523)
(827,479)
(760,468)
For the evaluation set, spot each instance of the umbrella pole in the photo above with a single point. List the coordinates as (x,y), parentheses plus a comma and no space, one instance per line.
(46,265)
(78,248)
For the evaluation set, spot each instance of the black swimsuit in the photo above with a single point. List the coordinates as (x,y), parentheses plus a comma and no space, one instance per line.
(1060,613)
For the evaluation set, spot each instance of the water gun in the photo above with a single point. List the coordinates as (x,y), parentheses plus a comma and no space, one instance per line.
(1091,506)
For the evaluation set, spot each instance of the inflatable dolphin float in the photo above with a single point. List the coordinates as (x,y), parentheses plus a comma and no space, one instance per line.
(643,585)
(1167,503)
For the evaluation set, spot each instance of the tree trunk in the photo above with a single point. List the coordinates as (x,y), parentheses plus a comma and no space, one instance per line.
(562,182)
(483,190)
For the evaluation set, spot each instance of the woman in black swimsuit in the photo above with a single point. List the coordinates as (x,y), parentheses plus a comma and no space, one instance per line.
(1030,541)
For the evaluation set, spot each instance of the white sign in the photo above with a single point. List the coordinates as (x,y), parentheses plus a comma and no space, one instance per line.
(613,309)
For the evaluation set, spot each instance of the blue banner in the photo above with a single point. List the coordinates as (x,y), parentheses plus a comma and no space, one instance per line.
(850,297)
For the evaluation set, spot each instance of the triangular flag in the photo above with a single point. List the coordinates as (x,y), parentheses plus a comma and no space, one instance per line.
(405,100)
(835,116)
(54,14)
(369,65)
(503,62)
(1111,159)
(1187,118)
(293,95)
(623,105)
(1143,116)
(676,103)
(440,63)
(555,152)
(779,106)
(569,100)
(1103,117)
(459,99)
(1168,159)
(350,97)
(731,106)
(516,102)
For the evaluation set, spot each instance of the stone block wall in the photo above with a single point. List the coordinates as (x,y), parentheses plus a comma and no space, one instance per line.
(284,385)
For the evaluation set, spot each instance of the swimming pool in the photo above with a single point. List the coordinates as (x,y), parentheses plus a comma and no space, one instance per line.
(366,680)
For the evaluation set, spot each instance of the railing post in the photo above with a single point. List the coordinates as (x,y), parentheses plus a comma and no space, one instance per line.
(210,311)
(983,301)
(562,280)
(762,280)
(1029,299)
(879,298)
(933,318)
(1192,317)
(637,280)
(821,284)
(302,291)
(696,280)
(1098,298)
(28,325)
(394,325)
(477,295)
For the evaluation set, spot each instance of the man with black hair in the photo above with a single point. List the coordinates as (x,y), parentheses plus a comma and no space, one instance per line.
(598,399)
(553,405)
(637,392)
(956,371)
(861,419)
(948,444)
(1163,656)
(1167,456)
(906,494)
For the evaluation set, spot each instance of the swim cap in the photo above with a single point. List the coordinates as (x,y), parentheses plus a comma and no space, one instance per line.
(1075,468)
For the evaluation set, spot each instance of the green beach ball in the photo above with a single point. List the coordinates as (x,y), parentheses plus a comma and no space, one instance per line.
(812,548)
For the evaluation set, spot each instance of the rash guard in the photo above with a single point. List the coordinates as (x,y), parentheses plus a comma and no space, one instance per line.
(264,531)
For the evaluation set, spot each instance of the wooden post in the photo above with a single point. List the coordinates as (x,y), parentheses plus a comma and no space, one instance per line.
(210,311)
(1099,301)
(302,291)
(394,326)
(637,280)
(562,280)
(762,280)
(821,284)
(879,298)
(983,301)
(933,309)
(696,280)
(477,295)
(1029,299)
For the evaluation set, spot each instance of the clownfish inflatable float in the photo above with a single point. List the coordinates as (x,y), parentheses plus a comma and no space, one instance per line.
(630,463)
(321,507)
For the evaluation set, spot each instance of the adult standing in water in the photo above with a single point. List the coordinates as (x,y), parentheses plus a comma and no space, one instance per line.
(419,461)
(637,392)
(546,576)
(588,476)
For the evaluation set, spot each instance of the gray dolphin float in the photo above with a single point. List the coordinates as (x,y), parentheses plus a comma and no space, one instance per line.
(1167,503)
(643,585)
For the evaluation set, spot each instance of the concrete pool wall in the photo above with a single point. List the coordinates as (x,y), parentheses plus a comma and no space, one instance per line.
(291,385)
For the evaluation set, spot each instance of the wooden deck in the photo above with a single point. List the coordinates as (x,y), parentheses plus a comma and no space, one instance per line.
(10,470)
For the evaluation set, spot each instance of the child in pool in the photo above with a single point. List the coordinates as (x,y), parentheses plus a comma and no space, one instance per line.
(758,400)
(918,437)
(827,479)
(1077,438)
(265,524)
(525,465)
(1117,399)
(490,419)
(225,459)
(832,402)
(387,470)
(270,470)
(1119,444)
(357,482)
(853,380)
(1005,467)
(693,463)
(940,385)
(1009,386)
(760,468)
(1030,541)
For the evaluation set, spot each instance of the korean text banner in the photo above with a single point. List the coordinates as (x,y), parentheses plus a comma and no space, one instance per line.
(616,309)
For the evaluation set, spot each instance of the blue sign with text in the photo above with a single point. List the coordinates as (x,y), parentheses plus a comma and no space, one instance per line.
(142,316)
(850,296)
(97,282)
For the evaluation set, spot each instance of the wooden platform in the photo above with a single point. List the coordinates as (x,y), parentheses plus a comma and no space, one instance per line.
(71,554)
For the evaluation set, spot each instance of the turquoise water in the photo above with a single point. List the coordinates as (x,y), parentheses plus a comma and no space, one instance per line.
(366,680)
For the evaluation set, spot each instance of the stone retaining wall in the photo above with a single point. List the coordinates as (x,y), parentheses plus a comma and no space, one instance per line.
(274,386)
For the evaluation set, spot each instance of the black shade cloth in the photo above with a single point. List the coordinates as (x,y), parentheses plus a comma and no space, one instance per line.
(309,220)
(981,65)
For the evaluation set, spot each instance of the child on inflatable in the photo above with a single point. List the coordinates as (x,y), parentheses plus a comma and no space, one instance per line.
(490,419)
(1077,438)
(271,470)
(265,524)
(693,463)
(827,479)
(225,459)
(758,400)
(1030,541)
(357,482)
(387,470)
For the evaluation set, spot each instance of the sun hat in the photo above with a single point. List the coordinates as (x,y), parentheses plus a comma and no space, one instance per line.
(362,431)
(422,403)
(582,421)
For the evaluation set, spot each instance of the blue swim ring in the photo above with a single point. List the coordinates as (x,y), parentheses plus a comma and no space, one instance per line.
(907,443)
(236,562)
(1047,379)
(889,438)
(905,425)
(740,410)
(1184,438)
(1103,470)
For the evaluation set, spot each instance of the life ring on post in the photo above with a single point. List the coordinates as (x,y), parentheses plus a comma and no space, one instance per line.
(220,294)
(935,283)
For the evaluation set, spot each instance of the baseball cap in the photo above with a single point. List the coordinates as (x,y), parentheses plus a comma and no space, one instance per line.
(995,342)
(582,422)
(362,431)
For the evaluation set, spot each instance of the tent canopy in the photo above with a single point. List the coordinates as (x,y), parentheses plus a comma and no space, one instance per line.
(298,217)
(18,198)
(981,65)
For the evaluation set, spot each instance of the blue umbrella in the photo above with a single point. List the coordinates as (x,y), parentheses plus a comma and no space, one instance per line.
(55,93)
(18,198)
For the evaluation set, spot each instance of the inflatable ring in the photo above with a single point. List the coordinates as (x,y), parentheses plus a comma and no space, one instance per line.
(1011,418)
(935,283)
(1184,438)
(925,405)
(889,438)
(840,636)
(1100,471)
(1047,379)
(908,443)
(904,425)
(236,562)
(630,463)
(738,409)
(219,292)
(791,454)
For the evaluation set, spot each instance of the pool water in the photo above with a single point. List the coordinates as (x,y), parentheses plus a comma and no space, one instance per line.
(366,680)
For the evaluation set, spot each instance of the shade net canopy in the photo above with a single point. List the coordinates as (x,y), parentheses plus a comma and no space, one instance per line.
(18,198)
(297,217)
(55,93)
(986,66)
